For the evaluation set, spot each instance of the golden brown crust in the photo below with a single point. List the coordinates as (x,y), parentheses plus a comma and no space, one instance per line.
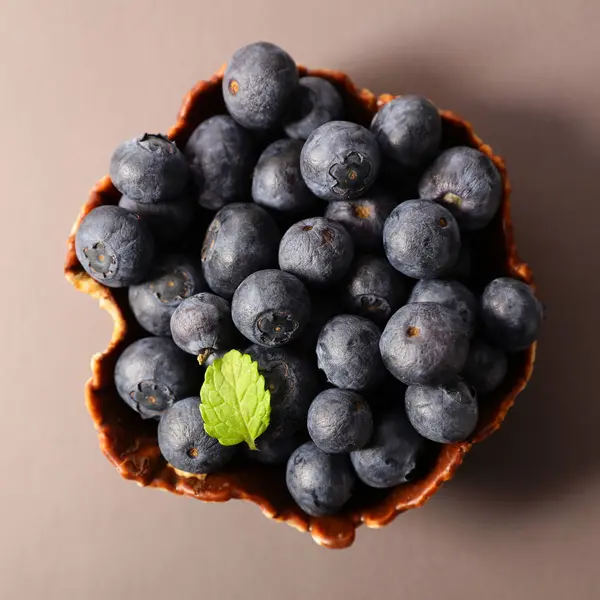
(130,444)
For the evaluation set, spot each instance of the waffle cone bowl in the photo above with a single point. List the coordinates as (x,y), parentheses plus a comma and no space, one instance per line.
(130,443)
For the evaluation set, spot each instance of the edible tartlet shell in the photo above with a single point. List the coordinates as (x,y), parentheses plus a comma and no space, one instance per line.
(130,444)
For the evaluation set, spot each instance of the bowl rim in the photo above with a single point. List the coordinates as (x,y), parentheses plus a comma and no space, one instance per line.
(133,458)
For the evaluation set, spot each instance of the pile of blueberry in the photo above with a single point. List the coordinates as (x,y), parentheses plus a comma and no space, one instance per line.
(333,254)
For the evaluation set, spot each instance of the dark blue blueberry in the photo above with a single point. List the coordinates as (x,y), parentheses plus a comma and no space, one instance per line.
(374,289)
(274,451)
(339,421)
(167,221)
(221,157)
(271,307)
(364,218)
(184,443)
(340,161)
(153,373)
(467,182)
(320,483)
(450,293)
(485,368)
(202,324)
(512,315)
(277,182)
(241,239)
(445,413)
(172,279)
(421,239)
(114,246)
(317,250)
(348,353)
(424,343)
(258,85)
(391,456)
(149,169)
(292,381)
(408,130)
(317,102)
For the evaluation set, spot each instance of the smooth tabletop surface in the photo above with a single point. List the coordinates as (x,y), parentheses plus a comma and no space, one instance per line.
(521,520)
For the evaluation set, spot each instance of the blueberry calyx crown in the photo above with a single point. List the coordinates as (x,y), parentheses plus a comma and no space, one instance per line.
(101,260)
(277,374)
(152,398)
(351,174)
(172,287)
(373,303)
(276,327)
(155,141)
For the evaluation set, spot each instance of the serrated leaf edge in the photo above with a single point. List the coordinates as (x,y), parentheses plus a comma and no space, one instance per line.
(257,380)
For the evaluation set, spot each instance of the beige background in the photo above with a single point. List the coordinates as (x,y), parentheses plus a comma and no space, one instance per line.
(521,520)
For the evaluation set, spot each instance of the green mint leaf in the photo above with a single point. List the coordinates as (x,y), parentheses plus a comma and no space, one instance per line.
(236,406)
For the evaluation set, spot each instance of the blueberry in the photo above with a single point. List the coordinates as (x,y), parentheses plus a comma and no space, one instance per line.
(408,130)
(258,85)
(450,293)
(424,343)
(467,182)
(273,451)
(184,443)
(149,169)
(153,373)
(421,239)
(271,307)
(485,368)
(221,157)
(171,280)
(317,250)
(241,239)
(339,421)
(114,246)
(277,182)
(318,102)
(292,381)
(340,161)
(445,413)
(348,352)
(320,483)
(202,324)
(391,456)
(512,315)
(374,289)
(167,221)
(364,218)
